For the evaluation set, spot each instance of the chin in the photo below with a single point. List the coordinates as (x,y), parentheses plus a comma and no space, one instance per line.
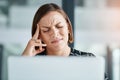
(59,47)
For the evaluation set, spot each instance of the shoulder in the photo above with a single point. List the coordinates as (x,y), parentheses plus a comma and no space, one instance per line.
(75,52)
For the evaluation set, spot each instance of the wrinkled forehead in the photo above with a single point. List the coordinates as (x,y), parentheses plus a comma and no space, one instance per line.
(51,18)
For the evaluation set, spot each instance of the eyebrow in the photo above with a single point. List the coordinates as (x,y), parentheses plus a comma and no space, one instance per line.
(49,26)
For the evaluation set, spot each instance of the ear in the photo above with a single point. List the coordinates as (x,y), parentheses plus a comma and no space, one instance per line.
(68,30)
(68,26)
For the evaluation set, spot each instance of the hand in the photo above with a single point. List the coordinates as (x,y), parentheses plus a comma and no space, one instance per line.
(30,48)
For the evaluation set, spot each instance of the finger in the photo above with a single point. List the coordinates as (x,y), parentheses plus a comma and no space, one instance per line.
(37,41)
(39,51)
(35,36)
(40,45)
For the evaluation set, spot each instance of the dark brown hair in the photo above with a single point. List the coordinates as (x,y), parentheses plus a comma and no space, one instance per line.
(46,8)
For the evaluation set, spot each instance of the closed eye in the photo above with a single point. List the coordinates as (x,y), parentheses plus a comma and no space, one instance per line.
(59,26)
(45,30)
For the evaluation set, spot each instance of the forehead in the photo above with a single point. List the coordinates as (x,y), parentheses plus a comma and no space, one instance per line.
(52,17)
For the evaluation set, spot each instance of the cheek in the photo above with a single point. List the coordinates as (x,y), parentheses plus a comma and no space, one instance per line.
(66,34)
(65,31)
(44,38)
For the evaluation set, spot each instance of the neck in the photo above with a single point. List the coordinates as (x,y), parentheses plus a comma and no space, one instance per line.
(60,52)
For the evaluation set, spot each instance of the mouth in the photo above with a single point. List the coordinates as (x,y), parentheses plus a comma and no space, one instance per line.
(56,40)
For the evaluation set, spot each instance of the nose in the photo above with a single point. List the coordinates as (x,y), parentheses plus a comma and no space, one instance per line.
(54,32)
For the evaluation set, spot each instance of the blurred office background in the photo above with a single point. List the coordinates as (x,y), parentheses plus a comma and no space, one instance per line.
(96,25)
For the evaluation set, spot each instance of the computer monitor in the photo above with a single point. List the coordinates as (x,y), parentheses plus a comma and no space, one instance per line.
(56,68)
(1,56)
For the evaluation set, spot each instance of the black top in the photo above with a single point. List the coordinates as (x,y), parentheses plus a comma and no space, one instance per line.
(75,52)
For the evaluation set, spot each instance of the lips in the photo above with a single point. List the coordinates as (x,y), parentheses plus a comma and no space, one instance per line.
(56,40)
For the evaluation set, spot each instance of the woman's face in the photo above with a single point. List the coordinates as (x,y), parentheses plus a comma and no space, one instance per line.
(54,30)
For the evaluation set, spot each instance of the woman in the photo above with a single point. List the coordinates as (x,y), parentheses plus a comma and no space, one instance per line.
(52,33)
